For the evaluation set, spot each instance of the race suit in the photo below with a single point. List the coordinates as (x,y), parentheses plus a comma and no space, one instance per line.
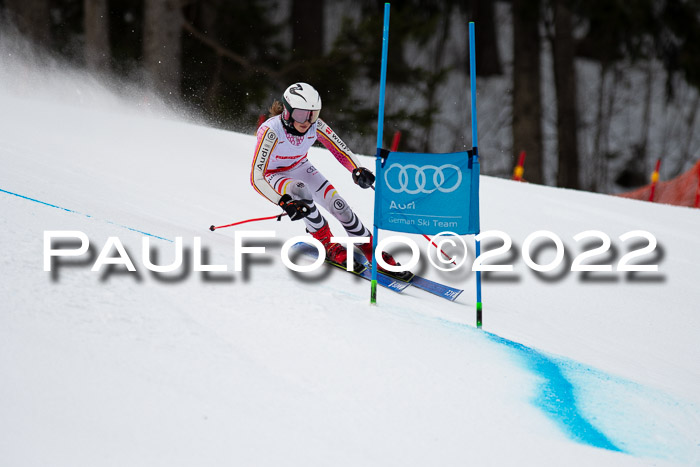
(280,166)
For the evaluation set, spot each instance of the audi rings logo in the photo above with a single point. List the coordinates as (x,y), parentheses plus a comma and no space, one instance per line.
(413,179)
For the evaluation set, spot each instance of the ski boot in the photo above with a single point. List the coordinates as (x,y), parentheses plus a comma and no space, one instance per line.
(335,252)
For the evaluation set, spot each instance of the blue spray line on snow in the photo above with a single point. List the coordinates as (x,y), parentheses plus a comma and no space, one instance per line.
(644,422)
(86,215)
(556,396)
(556,393)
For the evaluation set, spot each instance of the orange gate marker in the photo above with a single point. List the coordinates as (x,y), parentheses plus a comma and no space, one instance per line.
(519,169)
(395,141)
(654,180)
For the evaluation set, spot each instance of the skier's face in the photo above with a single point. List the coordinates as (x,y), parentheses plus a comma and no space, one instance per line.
(302,127)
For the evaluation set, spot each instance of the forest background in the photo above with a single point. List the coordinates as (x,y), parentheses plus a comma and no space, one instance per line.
(594,91)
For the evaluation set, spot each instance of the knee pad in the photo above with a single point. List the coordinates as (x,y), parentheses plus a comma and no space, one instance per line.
(340,209)
(298,190)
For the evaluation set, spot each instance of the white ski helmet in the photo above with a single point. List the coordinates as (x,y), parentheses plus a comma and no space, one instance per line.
(301,103)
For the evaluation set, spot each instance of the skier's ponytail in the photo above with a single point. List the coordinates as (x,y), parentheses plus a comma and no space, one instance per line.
(276,108)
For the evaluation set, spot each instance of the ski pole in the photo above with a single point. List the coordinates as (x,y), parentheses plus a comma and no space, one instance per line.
(441,251)
(278,217)
(434,244)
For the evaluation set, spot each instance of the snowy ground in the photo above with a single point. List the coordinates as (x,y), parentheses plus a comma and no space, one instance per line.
(268,367)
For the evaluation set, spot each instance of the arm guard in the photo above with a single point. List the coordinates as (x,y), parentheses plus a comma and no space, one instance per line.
(267,140)
(335,145)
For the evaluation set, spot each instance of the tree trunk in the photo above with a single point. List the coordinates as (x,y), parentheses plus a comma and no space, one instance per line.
(488,61)
(96,22)
(600,142)
(565,86)
(162,46)
(527,96)
(433,80)
(686,153)
(307,29)
(210,22)
(32,18)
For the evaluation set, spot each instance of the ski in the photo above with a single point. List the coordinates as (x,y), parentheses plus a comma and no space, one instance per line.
(395,284)
(435,288)
(365,273)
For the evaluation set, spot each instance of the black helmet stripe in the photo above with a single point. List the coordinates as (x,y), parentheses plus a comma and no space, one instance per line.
(297,87)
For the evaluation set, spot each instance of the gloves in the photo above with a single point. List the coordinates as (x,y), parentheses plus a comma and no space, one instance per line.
(296,209)
(363,177)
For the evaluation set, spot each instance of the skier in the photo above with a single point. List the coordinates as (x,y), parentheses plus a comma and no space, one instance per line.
(282,173)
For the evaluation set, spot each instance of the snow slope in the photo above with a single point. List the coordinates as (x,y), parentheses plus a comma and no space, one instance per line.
(269,367)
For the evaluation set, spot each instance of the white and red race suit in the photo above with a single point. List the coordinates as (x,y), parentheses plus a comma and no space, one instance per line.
(280,166)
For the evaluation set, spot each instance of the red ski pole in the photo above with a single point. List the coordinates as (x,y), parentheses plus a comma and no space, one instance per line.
(278,217)
(441,251)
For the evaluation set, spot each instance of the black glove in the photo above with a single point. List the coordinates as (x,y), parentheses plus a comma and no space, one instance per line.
(363,177)
(296,209)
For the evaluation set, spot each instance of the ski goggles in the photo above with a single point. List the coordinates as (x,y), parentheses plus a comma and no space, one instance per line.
(301,116)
